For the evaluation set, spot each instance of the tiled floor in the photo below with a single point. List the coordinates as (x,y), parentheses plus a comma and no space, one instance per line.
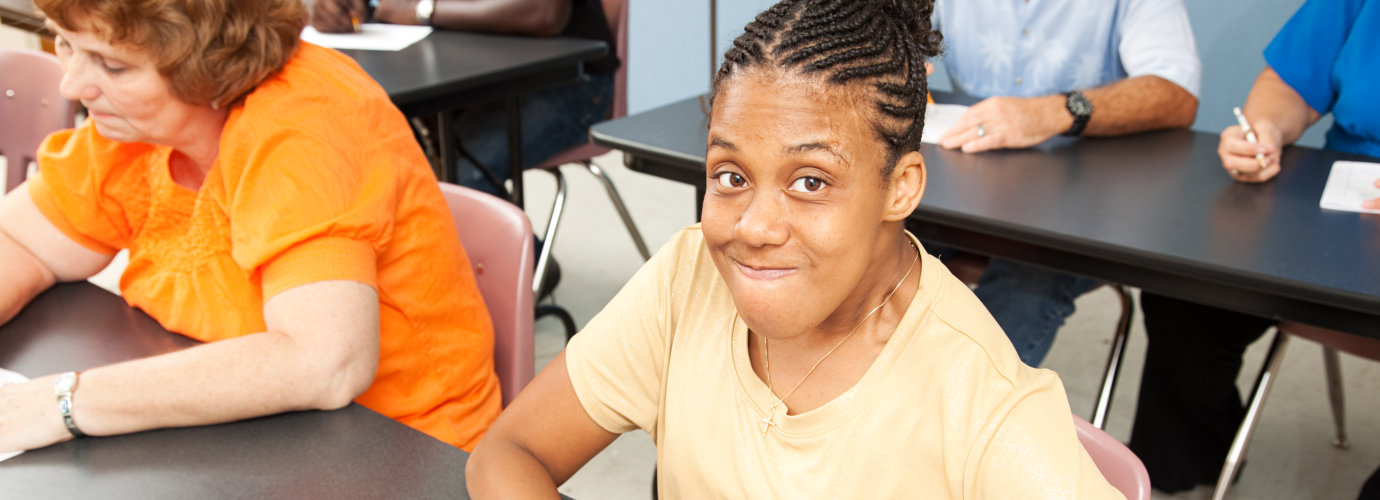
(1290,456)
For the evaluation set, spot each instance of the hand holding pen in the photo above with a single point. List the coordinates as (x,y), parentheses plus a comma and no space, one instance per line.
(1250,153)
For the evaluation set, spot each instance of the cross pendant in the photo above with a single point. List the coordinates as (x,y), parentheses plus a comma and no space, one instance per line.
(767,423)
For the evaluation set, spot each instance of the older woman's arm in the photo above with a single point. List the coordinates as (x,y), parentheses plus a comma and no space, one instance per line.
(34,254)
(320,352)
(542,439)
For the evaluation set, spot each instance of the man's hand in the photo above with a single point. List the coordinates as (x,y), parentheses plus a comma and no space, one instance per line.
(1239,156)
(1008,122)
(337,16)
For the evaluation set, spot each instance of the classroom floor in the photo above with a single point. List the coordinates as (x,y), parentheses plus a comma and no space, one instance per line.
(1290,456)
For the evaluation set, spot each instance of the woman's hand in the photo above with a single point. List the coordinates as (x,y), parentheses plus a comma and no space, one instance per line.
(337,16)
(29,416)
(1253,163)
(1372,204)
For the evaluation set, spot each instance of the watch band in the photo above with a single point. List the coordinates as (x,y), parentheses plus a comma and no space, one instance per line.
(424,10)
(1080,107)
(63,388)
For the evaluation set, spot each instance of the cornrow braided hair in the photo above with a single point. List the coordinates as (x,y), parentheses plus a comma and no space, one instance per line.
(883,43)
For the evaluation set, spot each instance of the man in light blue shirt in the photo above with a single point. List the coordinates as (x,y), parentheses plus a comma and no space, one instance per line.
(1051,67)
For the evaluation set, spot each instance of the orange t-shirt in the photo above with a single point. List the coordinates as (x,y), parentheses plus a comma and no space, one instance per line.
(318,178)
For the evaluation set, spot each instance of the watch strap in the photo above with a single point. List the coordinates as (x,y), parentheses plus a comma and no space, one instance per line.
(63,388)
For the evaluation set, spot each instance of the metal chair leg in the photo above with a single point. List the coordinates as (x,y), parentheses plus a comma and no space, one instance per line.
(549,236)
(1243,434)
(1113,369)
(622,209)
(1333,367)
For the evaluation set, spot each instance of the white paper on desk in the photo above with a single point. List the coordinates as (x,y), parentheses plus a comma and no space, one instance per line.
(371,36)
(938,119)
(1349,184)
(8,377)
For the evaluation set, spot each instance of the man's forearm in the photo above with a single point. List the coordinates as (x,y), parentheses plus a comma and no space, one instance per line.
(1138,104)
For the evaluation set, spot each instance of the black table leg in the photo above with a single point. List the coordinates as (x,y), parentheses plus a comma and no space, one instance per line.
(445,130)
(515,147)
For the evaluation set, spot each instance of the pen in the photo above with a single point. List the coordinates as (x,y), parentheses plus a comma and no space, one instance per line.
(1250,134)
(354,21)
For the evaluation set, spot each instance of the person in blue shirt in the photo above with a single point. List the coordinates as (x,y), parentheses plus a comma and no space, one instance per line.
(1052,67)
(1322,61)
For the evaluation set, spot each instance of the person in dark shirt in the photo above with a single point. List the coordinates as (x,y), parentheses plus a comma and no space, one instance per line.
(553,119)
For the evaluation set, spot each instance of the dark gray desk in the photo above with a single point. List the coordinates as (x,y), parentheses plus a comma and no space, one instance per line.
(1154,210)
(348,453)
(451,70)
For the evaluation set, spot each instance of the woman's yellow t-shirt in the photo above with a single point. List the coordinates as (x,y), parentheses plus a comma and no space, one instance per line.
(318,178)
(946,410)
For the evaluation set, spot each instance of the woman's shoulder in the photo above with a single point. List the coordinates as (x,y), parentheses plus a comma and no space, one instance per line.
(320,87)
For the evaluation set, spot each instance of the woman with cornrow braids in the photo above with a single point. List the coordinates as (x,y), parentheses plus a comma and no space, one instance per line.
(799,343)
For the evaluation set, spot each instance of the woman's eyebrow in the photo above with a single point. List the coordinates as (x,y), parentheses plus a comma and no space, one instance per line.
(722,143)
(814,146)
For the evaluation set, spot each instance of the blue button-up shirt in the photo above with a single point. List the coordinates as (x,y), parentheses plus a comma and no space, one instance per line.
(1040,47)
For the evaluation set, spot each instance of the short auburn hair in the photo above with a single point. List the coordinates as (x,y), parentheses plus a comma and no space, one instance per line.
(210,51)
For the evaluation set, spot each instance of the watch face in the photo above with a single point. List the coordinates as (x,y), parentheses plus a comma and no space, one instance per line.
(1079,105)
(65,382)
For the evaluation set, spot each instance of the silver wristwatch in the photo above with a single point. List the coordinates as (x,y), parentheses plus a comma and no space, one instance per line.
(424,10)
(63,388)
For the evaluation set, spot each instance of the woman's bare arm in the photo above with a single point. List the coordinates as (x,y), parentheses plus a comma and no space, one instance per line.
(539,441)
(320,351)
(34,254)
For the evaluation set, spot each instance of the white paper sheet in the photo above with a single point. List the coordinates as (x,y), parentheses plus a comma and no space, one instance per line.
(371,36)
(1349,184)
(8,377)
(938,119)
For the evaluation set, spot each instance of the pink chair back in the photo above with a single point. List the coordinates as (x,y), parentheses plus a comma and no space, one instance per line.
(1117,463)
(30,108)
(498,239)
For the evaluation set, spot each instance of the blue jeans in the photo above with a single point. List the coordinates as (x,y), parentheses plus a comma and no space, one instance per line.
(553,120)
(1029,303)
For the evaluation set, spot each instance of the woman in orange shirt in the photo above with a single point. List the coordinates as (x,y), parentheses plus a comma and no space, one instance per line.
(274,205)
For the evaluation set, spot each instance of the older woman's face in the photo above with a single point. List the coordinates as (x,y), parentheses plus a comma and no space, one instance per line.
(125,96)
(795,197)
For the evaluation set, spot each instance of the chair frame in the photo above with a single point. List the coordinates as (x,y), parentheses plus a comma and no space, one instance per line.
(1331,342)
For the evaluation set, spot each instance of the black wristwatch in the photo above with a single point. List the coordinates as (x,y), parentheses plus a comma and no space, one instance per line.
(1081,108)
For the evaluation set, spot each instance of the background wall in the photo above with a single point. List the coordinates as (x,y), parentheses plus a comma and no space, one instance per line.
(669,51)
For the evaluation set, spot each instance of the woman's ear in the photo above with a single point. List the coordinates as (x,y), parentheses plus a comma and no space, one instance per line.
(907,186)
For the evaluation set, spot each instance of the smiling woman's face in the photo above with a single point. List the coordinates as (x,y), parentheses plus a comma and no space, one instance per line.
(795,204)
